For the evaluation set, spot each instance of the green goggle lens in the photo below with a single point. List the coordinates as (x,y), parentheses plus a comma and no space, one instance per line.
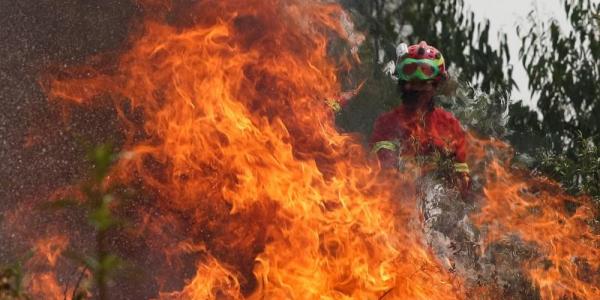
(421,69)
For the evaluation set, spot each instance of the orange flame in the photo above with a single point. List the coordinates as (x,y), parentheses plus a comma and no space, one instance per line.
(237,139)
(539,211)
(43,281)
(226,128)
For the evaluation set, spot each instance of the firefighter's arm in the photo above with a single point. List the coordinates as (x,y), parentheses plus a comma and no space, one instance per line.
(387,153)
(382,145)
(460,148)
(460,166)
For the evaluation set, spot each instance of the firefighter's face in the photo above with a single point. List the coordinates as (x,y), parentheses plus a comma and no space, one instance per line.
(420,86)
(418,91)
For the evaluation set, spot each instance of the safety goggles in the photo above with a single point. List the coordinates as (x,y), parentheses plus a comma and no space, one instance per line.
(422,69)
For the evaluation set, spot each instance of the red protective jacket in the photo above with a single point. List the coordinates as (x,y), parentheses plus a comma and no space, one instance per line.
(419,133)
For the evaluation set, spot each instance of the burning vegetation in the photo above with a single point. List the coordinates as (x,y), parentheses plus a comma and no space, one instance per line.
(231,181)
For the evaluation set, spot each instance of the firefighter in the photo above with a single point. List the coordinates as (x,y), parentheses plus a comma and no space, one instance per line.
(417,128)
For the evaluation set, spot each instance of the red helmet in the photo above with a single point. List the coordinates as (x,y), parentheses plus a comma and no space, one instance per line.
(421,62)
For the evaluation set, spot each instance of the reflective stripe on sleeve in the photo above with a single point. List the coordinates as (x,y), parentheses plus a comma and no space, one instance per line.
(461,167)
(388,145)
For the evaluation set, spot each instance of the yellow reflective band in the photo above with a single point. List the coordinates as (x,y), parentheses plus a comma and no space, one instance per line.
(388,145)
(334,105)
(461,167)
(439,61)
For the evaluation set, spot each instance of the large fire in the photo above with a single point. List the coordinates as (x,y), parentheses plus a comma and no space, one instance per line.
(250,192)
(568,263)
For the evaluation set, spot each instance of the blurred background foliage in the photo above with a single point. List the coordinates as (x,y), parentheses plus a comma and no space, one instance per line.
(563,66)
(560,136)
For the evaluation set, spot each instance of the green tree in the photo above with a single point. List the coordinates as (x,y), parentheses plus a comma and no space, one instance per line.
(563,66)
(564,74)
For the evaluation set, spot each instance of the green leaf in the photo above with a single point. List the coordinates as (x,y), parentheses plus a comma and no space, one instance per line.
(101,157)
(101,218)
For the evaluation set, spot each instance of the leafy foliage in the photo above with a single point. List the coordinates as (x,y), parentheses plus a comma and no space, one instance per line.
(99,198)
(579,175)
(98,201)
(478,111)
(564,72)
